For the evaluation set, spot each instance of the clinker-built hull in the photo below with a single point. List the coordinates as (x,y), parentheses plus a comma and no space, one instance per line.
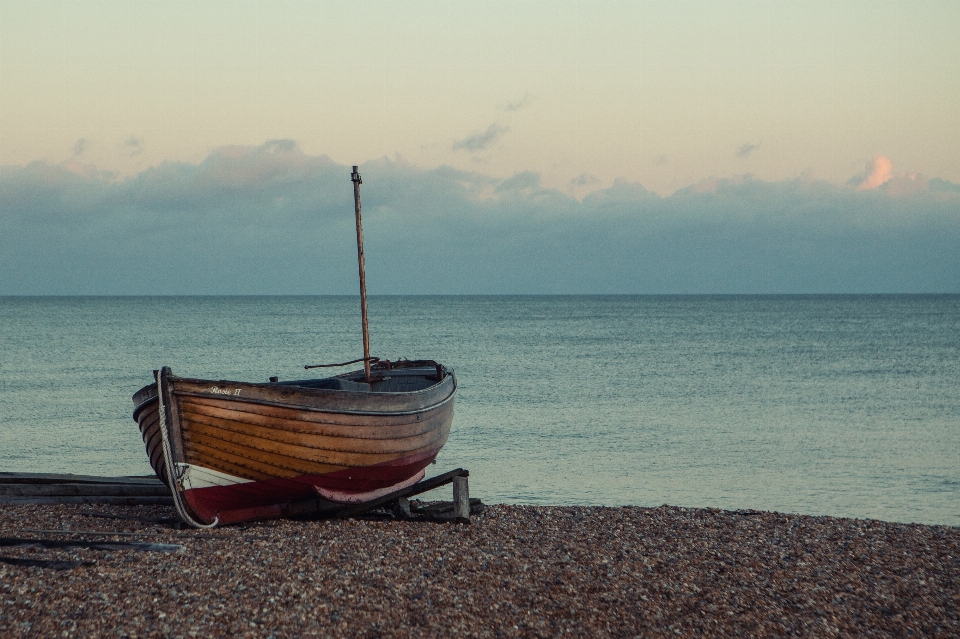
(243,451)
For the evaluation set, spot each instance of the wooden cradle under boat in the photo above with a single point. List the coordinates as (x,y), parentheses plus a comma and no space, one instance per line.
(242,450)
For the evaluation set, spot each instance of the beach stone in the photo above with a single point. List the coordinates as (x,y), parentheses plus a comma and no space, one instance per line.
(517,571)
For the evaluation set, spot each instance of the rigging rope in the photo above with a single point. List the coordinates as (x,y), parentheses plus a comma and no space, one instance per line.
(173,477)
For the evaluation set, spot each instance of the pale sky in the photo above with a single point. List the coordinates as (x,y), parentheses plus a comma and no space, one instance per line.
(665,94)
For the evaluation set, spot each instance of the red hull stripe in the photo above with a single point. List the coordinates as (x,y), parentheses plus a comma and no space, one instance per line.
(265,499)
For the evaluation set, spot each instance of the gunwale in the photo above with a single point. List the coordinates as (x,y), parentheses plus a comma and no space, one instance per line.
(320,400)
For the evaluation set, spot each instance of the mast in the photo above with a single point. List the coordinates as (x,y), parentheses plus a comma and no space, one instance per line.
(355,178)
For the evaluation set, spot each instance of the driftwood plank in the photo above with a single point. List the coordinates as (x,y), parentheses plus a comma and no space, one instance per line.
(124,533)
(72,489)
(148,520)
(12,542)
(66,478)
(444,507)
(53,564)
(13,500)
(401,508)
(461,499)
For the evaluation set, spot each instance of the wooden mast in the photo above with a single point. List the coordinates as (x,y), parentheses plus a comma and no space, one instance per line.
(355,178)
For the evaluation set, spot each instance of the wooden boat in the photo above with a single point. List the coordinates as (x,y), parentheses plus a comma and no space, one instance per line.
(232,451)
(241,451)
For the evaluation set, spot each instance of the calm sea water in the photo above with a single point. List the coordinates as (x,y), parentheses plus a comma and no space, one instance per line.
(833,405)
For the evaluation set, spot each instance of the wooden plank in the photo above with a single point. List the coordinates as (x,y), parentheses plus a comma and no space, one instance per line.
(225,462)
(153,441)
(445,508)
(402,508)
(124,533)
(66,478)
(292,433)
(332,424)
(148,520)
(316,399)
(314,448)
(52,564)
(102,490)
(461,499)
(7,500)
(279,460)
(13,542)
(203,449)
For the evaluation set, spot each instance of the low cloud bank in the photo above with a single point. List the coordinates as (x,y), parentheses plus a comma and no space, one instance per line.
(273,220)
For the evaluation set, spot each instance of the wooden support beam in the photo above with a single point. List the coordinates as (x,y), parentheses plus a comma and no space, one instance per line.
(53,564)
(444,509)
(63,488)
(85,489)
(12,542)
(461,499)
(402,508)
(124,533)
(14,500)
(146,520)
(52,488)
(67,478)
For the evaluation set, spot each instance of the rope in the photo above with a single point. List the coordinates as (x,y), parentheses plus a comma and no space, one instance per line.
(172,477)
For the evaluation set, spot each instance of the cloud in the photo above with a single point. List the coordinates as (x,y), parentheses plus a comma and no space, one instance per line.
(746,150)
(80,146)
(271,219)
(133,146)
(516,105)
(623,193)
(480,141)
(905,184)
(878,171)
(87,170)
(937,185)
(524,180)
(584,179)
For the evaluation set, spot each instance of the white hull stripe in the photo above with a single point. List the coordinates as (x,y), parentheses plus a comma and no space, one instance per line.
(344,497)
(199,477)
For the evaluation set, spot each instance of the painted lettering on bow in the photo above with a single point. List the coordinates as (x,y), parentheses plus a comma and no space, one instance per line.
(216,390)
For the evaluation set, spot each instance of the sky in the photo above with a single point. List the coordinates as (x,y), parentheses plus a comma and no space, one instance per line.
(506,147)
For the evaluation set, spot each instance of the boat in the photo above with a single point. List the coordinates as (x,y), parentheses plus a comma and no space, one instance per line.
(233,451)
(241,451)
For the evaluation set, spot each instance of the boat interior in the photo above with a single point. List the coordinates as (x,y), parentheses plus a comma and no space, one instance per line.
(405,380)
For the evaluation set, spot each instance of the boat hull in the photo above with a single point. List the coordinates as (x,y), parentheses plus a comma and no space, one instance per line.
(242,451)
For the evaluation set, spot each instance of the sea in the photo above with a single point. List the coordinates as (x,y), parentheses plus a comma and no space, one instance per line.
(833,405)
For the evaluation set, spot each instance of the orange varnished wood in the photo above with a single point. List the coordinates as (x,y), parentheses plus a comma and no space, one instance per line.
(331,401)
(314,422)
(312,433)
(310,442)
(235,465)
(273,464)
(289,457)
(241,431)
(150,430)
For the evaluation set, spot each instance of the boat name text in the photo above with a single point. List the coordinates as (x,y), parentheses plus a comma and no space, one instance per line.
(216,390)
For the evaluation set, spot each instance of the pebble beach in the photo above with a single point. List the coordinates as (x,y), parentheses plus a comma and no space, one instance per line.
(514,571)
